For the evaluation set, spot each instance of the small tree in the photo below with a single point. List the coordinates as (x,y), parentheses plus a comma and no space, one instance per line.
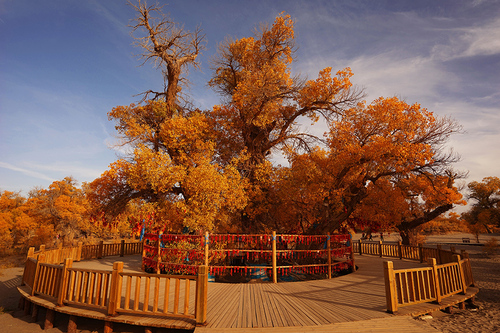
(486,208)
(60,210)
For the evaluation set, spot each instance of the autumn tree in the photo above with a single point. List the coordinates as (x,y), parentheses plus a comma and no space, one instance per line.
(408,204)
(485,210)
(208,169)
(446,223)
(172,167)
(170,47)
(263,103)
(384,161)
(16,226)
(61,210)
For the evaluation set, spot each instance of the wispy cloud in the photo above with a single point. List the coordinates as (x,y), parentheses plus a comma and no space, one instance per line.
(480,40)
(64,169)
(27,172)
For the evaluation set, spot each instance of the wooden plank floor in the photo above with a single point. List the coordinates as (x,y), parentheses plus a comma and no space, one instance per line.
(399,324)
(356,297)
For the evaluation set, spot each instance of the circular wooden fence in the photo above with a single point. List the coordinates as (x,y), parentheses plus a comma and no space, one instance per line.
(274,257)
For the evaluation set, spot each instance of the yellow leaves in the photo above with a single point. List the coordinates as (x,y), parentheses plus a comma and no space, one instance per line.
(154,170)
(188,140)
(210,194)
(141,122)
(325,89)
(386,136)
(255,73)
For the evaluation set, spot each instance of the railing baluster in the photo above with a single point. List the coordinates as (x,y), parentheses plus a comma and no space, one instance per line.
(156,294)
(186,297)
(146,294)
(127,293)
(176,297)
(167,295)
(137,292)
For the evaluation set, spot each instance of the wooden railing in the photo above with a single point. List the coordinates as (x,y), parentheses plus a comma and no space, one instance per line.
(265,255)
(48,280)
(88,287)
(398,250)
(30,269)
(102,250)
(120,292)
(56,256)
(412,286)
(82,252)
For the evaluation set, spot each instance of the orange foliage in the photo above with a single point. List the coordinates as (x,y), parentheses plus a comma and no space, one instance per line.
(380,166)
(60,210)
(172,167)
(211,170)
(485,208)
(15,224)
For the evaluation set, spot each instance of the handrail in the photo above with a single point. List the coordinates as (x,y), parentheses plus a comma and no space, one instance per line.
(82,252)
(426,284)
(398,250)
(259,252)
(119,292)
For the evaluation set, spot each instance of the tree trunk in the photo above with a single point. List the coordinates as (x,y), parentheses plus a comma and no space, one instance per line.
(406,227)
(405,237)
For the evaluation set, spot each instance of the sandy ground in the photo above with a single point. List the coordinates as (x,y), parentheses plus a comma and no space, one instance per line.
(484,316)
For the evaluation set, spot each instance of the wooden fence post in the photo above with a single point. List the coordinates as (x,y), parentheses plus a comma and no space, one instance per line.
(456,258)
(100,250)
(49,319)
(72,326)
(41,258)
(31,252)
(275,269)
(34,313)
(206,247)
(115,288)
(360,250)
(400,250)
(41,252)
(421,252)
(439,256)
(158,258)
(380,248)
(437,287)
(122,248)
(352,254)
(391,296)
(201,295)
(143,266)
(79,252)
(68,262)
(59,255)
(329,248)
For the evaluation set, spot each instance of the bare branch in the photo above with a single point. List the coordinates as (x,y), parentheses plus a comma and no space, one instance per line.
(169,47)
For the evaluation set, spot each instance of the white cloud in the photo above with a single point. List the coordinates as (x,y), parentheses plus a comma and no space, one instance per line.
(64,169)
(27,172)
(474,41)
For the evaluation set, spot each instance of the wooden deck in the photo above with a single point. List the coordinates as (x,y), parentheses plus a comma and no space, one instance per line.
(399,324)
(359,296)
(354,297)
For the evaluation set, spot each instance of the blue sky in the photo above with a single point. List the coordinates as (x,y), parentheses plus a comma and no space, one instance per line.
(65,63)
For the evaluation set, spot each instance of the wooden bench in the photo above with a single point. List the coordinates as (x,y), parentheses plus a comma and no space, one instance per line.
(466,240)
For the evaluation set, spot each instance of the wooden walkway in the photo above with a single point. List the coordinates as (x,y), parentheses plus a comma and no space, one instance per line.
(399,324)
(256,307)
(354,297)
